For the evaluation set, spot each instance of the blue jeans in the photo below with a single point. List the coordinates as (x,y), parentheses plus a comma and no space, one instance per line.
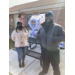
(21,53)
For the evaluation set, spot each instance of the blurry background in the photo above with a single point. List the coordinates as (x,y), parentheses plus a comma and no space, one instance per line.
(22,10)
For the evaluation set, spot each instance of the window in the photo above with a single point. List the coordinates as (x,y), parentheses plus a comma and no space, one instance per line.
(28,18)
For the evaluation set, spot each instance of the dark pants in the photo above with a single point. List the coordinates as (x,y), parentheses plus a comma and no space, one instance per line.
(41,62)
(52,57)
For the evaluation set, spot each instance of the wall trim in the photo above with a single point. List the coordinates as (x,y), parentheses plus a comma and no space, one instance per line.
(39,8)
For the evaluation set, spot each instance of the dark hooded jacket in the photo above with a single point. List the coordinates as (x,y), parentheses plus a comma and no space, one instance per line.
(51,38)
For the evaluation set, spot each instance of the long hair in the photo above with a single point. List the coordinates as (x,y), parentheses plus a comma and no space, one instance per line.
(17,26)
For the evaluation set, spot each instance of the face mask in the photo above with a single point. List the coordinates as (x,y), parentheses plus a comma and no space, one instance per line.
(49,22)
(19,27)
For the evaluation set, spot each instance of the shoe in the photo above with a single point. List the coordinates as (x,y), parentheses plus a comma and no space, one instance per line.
(19,65)
(42,73)
(23,64)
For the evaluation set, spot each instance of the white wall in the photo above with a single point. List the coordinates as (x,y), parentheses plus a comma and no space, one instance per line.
(18,2)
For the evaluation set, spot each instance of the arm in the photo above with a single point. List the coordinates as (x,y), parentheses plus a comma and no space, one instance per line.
(13,35)
(27,34)
(61,36)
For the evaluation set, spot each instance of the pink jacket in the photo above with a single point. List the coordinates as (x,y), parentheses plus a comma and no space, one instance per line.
(19,37)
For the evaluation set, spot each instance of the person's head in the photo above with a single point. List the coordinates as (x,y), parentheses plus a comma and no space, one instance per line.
(49,17)
(19,26)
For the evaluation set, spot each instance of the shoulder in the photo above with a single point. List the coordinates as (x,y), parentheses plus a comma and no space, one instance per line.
(25,30)
(14,31)
(58,26)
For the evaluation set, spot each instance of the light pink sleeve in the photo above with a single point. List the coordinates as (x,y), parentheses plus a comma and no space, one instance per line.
(13,35)
(27,34)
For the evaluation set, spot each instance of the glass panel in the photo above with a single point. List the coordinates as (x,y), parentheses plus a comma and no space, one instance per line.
(28,18)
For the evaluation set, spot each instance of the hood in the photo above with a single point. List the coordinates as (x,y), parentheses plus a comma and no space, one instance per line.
(44,23)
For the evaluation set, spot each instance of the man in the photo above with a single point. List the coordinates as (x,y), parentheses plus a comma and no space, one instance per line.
(50,36)
(38,37)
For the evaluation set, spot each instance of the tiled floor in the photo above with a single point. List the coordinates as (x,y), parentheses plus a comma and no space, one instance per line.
(32,65)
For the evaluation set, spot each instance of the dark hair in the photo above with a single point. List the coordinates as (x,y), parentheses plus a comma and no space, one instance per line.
(18,24)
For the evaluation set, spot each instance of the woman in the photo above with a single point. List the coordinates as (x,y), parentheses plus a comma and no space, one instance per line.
(20,37)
